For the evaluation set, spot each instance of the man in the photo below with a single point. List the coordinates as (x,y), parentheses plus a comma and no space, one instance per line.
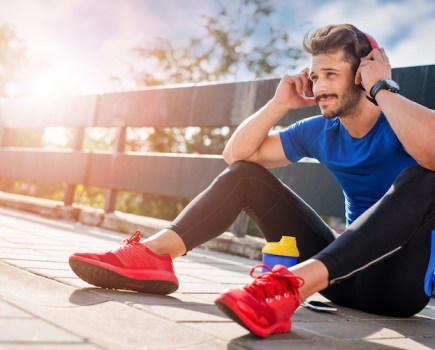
(380,147)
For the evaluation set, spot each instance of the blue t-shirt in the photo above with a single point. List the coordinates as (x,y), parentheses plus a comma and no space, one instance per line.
(364,167)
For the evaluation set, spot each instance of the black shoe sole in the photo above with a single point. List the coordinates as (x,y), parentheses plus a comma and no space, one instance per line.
(104,278)
(231,314)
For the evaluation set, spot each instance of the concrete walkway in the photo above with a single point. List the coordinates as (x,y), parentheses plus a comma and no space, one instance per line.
(44,306)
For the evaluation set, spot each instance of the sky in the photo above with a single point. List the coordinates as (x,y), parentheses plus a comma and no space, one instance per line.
(88,41)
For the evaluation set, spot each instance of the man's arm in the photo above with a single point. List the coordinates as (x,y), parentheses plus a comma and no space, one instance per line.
(413,123)
(253,140)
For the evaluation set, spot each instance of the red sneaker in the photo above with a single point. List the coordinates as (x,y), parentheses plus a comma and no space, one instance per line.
(266,305)
(132,266)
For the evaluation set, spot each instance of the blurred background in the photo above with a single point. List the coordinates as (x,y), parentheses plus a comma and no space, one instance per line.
(63,47)
(56,48)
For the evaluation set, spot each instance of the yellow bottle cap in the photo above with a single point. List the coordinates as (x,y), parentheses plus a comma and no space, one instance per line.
(285,247)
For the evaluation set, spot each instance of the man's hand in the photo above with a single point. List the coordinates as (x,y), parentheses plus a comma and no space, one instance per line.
(290,93)
(373,68)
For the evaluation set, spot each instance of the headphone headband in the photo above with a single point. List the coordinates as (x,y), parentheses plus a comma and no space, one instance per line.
(372,41)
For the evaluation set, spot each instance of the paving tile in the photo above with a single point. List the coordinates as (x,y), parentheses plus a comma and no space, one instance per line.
(305,316)
(185,312)
(130,297)
(118,326)
(39,265)
(93,317)
(34,330)
(415,327)
(428,311)
(9,311)
(74,281)
(226,330)
(205,297)
(202,288)
(344,329)
(22,254)
(43,291)
(47,346)
(404,343)
(297,339)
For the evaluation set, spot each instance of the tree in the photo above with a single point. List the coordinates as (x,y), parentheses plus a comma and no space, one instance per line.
(13,58)
(224,52)
(13,65)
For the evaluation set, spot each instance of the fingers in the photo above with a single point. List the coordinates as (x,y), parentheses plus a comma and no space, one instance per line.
(299,80)
(358,77)
(384,55)
(291,90)
(372,68)
(305,75)
(376,55)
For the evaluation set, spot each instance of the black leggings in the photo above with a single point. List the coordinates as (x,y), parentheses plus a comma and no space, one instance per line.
(376,265)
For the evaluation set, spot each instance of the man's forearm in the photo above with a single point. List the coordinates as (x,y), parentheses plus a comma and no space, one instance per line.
(413,124)
(252,132)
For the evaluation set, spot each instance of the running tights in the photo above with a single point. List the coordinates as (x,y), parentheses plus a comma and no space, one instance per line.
(376,265)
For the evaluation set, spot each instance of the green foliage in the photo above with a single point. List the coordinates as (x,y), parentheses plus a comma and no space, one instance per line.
(33,188)
(13,58)
(161,207)
(240,41)
(228,49)
(206,140)
(233,44)
(99,139)
(90,196)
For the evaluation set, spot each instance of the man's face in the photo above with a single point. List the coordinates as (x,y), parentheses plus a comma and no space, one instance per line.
(334,85)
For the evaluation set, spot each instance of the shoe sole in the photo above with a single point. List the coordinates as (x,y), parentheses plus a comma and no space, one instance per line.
(232,315)
(258,331)
(108,279)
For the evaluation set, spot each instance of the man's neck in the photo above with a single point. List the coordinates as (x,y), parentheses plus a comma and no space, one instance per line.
(361,120)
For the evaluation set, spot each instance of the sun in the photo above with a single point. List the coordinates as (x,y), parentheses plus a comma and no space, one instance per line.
(42,86)
(61,75)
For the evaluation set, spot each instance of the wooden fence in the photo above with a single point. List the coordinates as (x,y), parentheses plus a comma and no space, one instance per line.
(184,175)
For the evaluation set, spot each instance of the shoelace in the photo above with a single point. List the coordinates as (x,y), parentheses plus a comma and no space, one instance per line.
(273,284)
(134,239)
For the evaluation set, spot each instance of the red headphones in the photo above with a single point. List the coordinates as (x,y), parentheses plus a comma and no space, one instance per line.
(373,45)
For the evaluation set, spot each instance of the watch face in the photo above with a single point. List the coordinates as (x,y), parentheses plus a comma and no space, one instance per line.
(392,85)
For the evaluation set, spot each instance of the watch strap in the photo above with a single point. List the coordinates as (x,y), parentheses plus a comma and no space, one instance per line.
(380,85)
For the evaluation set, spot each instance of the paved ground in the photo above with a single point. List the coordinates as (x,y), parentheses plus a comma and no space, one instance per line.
(44,306)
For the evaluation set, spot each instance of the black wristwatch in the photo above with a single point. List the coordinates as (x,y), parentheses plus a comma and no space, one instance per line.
(386,84)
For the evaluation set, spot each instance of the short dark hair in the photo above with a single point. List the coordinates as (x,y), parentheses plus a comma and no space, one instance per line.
(338,37)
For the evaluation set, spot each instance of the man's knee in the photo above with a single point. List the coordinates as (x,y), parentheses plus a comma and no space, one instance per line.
(416,178)
(242,170)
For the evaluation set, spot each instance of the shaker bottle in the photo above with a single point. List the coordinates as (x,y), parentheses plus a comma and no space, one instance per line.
(284,252)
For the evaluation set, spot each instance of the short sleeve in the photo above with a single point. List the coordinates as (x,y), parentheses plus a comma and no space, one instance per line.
(297,138)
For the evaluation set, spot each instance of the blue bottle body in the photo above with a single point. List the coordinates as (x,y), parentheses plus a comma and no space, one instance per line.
(271,260)
(284,252)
